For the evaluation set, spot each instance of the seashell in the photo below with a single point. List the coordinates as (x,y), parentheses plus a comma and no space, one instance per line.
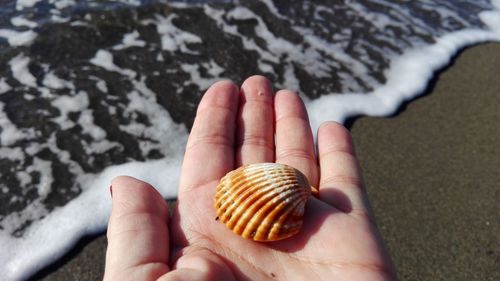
(262,202)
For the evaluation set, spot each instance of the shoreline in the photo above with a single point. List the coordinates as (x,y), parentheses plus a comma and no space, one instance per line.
(420,168)
(430,173)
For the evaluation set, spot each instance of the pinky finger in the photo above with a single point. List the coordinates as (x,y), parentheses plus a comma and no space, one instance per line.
(340,180)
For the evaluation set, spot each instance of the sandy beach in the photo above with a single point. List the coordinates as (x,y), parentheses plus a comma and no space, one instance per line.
(432,174)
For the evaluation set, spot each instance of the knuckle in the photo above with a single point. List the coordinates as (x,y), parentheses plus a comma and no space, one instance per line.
(210,139)
(337,151)
(209,109)
(294,153)
(255,140)
(354,181)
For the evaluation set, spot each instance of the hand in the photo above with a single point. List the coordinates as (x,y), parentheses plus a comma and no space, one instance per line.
(338,240)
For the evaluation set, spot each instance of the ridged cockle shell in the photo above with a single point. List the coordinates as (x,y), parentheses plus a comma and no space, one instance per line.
(262,202)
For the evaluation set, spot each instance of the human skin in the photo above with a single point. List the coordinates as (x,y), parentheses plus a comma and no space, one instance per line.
(236,126)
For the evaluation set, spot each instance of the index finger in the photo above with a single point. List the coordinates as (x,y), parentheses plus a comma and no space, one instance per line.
(210,147)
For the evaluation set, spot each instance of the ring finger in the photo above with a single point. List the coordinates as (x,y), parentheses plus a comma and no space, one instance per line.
(294,140)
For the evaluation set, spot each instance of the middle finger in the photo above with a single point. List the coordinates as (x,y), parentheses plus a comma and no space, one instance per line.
(255,129)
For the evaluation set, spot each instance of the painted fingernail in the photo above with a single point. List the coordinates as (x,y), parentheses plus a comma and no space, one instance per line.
(111,190)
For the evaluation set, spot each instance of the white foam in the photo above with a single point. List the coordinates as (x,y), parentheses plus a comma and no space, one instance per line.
(20,71)
(492,19)
(21,21)
(12,153)
(131,2)
(273,9)
(61,4)
(159,57)
(203,82)
(379,20)
(164,134)
(406,79)
(104,59)
(130,40)
(21,4)
(39,242)
(309,55)
(24,178)
(67,104)
(10,133)
(50,80)
(86,120)
(58,19)
(101,85)
(33,212)
(4,86)
(291,82)
(18,38)
(173,38)
(44,186)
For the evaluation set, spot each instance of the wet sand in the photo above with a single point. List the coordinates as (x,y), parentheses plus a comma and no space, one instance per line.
(432,173)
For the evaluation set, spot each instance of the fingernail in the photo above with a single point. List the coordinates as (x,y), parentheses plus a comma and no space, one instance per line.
(111,190)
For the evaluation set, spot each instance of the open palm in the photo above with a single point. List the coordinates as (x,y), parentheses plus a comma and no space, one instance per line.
(233,127)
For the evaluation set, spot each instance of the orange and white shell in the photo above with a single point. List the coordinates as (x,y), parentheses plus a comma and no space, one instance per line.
(262,202)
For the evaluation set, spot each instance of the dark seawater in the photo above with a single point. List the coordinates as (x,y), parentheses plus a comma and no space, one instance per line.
(84,84)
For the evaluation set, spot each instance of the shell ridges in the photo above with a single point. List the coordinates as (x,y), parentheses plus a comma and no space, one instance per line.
(262,202)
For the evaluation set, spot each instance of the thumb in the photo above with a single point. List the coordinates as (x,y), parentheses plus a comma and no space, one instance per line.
(138,241)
